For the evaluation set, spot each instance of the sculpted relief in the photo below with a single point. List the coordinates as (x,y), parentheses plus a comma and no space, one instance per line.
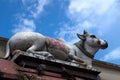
(82,51)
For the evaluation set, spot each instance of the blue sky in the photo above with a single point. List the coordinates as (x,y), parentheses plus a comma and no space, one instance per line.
(65,18)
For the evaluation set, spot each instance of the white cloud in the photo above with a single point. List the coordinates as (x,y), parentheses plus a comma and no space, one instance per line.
(24,25)
(88,7)
(90,14)
(69,33)
(35,7)
(32,9)
(113,55)
(90,10)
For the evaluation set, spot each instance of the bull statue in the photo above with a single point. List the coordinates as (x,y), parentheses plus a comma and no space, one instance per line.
(82,51)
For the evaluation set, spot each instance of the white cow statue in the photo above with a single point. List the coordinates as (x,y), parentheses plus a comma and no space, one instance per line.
(82,51)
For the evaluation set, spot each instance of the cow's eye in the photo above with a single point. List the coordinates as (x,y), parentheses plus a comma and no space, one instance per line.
(92,36)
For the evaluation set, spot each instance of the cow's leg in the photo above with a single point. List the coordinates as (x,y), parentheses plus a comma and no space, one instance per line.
(46,54)
(77,60)
(73,57)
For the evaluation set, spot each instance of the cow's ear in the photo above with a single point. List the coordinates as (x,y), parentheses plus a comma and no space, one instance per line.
(82,37)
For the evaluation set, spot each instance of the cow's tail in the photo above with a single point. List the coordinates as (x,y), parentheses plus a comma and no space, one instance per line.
(7,51)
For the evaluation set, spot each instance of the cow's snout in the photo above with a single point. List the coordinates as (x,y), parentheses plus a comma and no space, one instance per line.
(105,45)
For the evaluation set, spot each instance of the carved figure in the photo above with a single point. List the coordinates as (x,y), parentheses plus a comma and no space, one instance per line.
(82,51)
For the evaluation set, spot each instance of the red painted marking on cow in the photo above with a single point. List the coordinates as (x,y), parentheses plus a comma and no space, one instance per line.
(57,44)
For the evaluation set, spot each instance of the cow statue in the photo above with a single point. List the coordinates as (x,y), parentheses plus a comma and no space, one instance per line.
(82,51)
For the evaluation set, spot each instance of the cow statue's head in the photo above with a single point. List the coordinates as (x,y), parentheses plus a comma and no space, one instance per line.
(89,45)
(93,41)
